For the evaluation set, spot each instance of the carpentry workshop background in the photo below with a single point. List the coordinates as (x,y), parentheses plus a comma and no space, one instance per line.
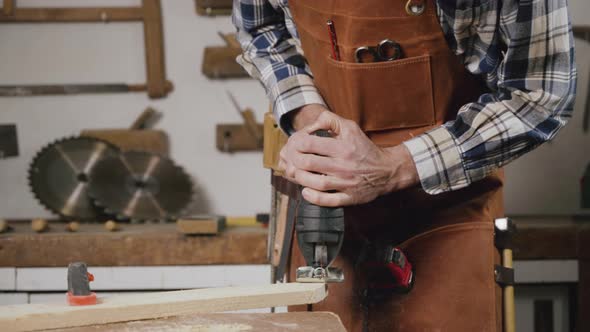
(110,77)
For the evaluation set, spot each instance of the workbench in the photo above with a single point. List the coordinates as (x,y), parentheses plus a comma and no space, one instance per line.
(160,247)
(133,245)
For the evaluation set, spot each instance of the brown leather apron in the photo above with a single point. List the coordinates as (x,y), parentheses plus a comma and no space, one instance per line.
(447,237)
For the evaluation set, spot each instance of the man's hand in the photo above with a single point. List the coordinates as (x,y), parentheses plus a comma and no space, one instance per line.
(306,115)
(346,169)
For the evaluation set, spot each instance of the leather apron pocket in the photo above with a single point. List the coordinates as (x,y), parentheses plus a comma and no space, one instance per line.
(382,95)
(454,288)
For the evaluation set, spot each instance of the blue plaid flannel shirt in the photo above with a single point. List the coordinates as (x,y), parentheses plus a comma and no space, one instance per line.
(523,48)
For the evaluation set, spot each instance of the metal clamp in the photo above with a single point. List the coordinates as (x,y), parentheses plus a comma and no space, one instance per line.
(504,276)
(415,7)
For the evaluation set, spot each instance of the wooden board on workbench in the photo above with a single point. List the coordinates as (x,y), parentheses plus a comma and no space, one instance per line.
(226,322)
(33,317)
(134,244)
(208,225)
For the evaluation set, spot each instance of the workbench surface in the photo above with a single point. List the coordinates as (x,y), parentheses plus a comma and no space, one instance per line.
(133,245)
(226,322)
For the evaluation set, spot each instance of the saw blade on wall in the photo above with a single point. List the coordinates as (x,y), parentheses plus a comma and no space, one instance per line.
(140,186)
(58,175)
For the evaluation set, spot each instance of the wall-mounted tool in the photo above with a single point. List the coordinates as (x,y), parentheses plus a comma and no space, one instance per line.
(138,137)
(79,285)
(8,141)
(240,137)
(140,186)
(213,7)
(58,175)
(149,13)
(220,61)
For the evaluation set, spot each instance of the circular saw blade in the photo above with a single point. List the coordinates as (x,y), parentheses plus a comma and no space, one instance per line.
(58,175)
(140,186)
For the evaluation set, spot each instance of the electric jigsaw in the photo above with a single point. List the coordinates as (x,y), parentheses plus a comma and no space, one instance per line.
(320,233)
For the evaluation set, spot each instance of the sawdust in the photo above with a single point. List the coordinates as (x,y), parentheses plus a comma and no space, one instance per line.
(217,328)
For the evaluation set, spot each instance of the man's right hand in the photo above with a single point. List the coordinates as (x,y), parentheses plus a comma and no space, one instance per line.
(306,115)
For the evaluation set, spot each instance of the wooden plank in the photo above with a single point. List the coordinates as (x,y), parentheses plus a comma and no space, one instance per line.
(63,15)
(33,317)
(135,245)
(229,322)
(154,48)
(280,231)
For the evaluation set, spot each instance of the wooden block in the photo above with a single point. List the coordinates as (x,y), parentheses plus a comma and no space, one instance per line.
(220,62)
(73,226)
(39,225)
(111,226)
(201,225)
(149,140)
(33,317)
(242,222)
(274,140)
(231,322)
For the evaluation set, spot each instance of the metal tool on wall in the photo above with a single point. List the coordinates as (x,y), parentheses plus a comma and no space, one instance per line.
(240,137)
(140,136)
(140,186)
(8,141)
(149,13)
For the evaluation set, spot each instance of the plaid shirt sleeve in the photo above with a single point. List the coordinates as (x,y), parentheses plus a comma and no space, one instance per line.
(273,55)
(525,50)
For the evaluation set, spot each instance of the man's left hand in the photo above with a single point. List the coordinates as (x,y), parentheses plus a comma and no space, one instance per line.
(346,169)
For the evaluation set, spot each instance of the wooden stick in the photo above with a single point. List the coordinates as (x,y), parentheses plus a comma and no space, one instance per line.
(53,15)
(509,311)
(31,317)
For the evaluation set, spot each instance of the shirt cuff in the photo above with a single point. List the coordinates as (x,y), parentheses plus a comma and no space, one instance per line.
(437,157)
(290,94)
